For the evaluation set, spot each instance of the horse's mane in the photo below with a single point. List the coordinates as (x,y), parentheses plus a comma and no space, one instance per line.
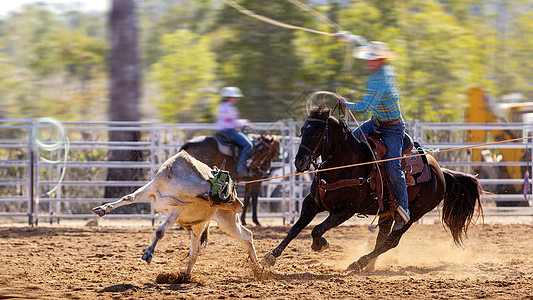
(320,112)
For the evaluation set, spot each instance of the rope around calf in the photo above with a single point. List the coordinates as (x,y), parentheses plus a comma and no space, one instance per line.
(384,160)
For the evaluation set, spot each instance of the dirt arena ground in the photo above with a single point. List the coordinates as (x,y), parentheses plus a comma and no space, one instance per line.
(82,262)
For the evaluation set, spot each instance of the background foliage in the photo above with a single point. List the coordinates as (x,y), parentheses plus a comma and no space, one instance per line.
(53,61)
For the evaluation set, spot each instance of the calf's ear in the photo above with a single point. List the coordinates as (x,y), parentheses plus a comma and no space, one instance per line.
(236,206)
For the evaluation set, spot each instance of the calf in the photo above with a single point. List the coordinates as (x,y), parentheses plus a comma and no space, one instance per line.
(179,190)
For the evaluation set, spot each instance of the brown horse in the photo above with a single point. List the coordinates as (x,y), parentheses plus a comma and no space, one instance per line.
(264,151)
(328,137)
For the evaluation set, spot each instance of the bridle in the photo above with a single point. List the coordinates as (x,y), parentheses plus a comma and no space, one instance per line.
(324,138)
(261,163)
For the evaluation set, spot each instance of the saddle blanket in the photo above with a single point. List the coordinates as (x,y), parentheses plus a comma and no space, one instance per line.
(416,168)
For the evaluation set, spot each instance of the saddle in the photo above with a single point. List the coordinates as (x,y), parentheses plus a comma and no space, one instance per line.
(415,167)
(225,145)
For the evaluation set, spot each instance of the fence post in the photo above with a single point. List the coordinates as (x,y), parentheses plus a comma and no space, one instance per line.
(31,186)
(284,136)
(153,136)
(530,167)
(292,202)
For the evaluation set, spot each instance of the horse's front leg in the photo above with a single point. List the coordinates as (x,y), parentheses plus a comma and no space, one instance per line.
(246,202)
(334,219)
(255,199)
(142,193)
(172,217)
(308,213)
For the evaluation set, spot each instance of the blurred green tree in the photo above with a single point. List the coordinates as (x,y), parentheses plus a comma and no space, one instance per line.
(185,75)
(60,57)
(260,58)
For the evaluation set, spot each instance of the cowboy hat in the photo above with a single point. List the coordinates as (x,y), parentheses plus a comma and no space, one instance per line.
(372,51)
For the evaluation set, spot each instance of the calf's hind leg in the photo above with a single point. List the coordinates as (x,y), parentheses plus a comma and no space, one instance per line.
(172,218)
(142,193)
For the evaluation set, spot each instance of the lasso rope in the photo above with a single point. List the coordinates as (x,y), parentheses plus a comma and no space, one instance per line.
(384,160)
(315,13)
(62,140)
(272,21)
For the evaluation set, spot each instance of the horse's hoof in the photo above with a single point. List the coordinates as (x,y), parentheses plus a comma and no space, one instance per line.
(243,222)
(269,260)
(360,264)
(354,267)
(257,223)
(147,256)
(321,245)
(99,211)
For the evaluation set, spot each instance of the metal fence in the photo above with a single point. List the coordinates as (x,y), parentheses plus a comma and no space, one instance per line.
(38,183)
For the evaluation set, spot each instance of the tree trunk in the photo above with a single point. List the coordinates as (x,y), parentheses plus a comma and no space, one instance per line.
(124,93)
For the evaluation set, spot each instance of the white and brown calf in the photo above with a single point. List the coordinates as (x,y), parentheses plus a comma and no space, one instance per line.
(178,191)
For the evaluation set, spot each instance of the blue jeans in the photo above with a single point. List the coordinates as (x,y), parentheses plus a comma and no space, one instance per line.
(242,140)
(392,137)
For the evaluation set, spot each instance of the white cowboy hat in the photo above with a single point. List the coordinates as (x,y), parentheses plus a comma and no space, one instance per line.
(372,51)
(231,91)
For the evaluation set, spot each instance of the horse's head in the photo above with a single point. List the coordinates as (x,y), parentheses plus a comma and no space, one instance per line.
(323,135)
(265,150)
(313,135)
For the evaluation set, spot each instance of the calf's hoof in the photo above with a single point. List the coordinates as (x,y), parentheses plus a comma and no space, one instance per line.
(269,260)
(100,211)
(321,245)
(147,256)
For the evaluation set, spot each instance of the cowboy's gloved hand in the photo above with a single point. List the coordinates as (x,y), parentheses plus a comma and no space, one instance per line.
(342,103)
(343,36)
(348,37)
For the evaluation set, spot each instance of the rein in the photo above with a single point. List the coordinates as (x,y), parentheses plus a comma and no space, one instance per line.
(324,137)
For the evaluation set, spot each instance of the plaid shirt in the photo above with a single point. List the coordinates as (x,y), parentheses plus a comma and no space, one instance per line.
(382,96)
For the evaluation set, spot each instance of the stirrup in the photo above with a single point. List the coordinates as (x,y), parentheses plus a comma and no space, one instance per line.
(405,216)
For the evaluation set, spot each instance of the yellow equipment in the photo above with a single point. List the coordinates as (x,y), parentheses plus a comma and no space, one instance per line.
(482,108)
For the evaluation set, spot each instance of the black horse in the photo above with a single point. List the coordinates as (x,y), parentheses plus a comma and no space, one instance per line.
(328,137)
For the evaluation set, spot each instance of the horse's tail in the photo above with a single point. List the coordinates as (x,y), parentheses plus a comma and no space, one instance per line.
(463,193)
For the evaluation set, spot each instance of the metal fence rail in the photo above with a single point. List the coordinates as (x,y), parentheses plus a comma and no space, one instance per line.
(25,177)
